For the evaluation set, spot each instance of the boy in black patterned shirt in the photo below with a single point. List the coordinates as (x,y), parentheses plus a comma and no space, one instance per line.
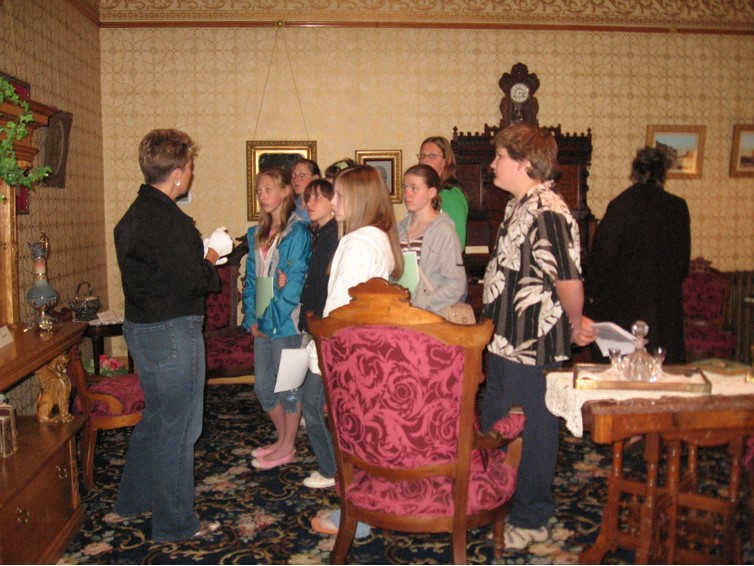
(534,295)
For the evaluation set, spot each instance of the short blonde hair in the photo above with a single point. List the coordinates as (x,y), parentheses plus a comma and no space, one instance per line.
(163,151)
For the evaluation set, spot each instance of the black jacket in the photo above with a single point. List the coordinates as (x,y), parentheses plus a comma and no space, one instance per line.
(160,255)
(638,261)
(314,294)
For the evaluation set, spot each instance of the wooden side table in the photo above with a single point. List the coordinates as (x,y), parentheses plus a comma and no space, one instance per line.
(40,507)
(97,334)
(674,420)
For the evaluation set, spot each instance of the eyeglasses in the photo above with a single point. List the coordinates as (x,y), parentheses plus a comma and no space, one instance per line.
(301,175)
(421,156)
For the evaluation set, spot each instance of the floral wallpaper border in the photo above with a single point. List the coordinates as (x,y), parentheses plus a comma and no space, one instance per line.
(731,16)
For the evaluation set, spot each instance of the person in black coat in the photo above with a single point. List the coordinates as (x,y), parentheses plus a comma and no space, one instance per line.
(640,257)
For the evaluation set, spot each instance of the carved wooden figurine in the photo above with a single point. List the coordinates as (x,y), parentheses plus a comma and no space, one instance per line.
(56,391)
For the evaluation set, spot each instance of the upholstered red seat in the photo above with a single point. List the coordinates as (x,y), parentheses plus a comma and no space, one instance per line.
(229,354)
(491,485)
(125,388)
(109,402)
(229,348)
(705,297)
(401,385)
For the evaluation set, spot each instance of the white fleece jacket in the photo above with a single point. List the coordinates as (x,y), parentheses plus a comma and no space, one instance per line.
(361,255)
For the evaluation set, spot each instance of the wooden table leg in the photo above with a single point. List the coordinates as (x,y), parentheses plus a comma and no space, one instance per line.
(607,538)
(673,481)
(646,520)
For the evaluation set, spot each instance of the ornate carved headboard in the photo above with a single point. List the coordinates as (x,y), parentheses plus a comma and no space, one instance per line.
(475,152)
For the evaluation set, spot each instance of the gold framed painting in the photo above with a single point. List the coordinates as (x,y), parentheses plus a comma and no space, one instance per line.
(688,144)
(389,162)
(261,155)
(742,151)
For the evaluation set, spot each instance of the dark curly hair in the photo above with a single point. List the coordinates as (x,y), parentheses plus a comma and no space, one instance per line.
(651,165)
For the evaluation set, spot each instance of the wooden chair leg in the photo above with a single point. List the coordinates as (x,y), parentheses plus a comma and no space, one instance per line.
(498,539)
(458,543)
(344,539)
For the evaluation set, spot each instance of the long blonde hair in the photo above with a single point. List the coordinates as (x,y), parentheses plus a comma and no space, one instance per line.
(282,179)
(367,203)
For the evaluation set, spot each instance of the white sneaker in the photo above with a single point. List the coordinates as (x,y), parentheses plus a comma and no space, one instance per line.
(518,538)
(318,481)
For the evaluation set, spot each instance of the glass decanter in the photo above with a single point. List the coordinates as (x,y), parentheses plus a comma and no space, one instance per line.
(639,365)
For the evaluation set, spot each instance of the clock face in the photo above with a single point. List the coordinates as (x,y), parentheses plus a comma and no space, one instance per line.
(519,93)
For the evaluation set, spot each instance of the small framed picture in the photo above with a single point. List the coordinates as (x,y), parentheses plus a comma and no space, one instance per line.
(688,144)
(742,151)
(261,155)
(389,162)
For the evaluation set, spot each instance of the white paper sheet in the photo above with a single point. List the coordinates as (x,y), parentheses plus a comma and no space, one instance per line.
(292,370)
(610,335)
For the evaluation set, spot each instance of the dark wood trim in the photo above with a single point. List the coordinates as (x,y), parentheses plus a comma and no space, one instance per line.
(88,11)
(426,25)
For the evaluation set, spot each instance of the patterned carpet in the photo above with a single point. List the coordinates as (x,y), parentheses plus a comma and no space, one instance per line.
(265,514)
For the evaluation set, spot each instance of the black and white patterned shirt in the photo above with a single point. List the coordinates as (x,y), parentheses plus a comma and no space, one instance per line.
(537,245)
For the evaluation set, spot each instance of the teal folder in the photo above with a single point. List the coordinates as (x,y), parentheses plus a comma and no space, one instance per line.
(264,294)
(410,277)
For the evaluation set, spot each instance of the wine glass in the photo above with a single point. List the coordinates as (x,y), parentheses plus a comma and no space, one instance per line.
(658,355)
(615,358)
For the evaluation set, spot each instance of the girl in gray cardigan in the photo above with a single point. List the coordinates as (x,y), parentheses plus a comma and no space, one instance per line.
(431,234)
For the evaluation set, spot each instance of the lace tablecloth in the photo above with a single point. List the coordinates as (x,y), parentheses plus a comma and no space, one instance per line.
(564,401)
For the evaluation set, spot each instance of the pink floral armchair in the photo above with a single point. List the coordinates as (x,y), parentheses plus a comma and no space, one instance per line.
(705,297)
(401,384)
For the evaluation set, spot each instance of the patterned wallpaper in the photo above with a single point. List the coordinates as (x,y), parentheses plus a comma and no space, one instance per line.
(49,44)
(389,88)
(359,88)
(678,14)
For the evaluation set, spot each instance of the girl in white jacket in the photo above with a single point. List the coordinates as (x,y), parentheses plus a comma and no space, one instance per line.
(369,248)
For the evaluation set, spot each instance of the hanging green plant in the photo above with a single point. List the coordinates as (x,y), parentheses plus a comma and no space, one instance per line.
(10,132)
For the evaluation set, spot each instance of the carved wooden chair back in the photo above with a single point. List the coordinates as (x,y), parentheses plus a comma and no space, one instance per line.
(401,384)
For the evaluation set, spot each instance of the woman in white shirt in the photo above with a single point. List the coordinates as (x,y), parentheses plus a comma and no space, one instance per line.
(369,248)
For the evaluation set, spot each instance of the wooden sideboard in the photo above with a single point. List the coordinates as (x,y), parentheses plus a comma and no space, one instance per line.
(40,506)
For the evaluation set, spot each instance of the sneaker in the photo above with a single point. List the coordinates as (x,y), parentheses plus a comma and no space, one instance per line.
(518,538)
(318,481)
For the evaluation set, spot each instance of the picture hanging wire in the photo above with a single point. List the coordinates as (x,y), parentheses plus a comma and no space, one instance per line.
(280,29)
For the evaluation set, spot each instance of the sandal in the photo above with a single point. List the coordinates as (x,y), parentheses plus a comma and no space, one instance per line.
(261,451)
(113,518)
(206,529)
(327,521)
(321,523)
(262,464)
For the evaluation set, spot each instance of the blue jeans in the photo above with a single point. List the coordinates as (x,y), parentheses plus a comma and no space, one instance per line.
(266,362)
(312,403)
(159,472)
(510,383)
